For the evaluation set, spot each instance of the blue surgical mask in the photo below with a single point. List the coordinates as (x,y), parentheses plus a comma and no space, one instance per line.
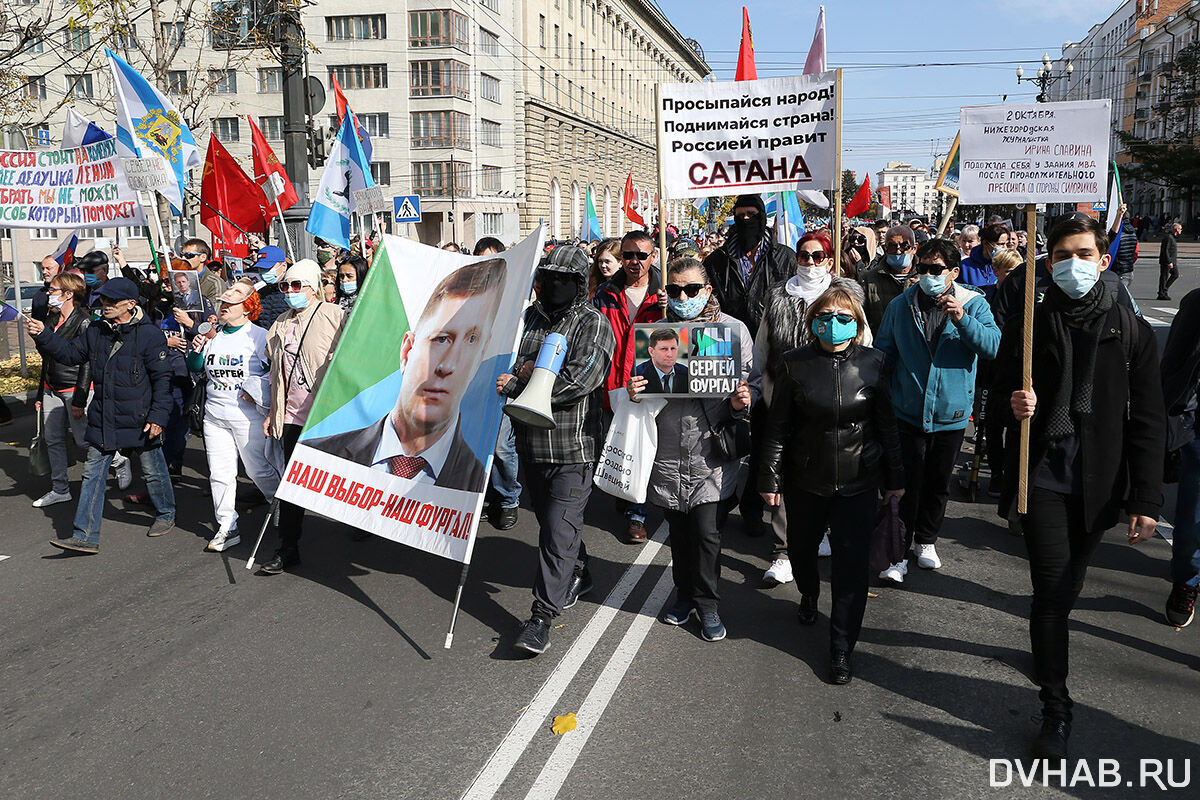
(297,300)
(1075,276)
(688,307)
(349,287)
(932,285)
(899,260)
(90,280)
(269,276)
(835,331)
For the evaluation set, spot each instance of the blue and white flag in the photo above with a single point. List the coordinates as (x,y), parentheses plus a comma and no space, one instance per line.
(789,223)
(701,205)
(148,124)
(347,171)
(78,130)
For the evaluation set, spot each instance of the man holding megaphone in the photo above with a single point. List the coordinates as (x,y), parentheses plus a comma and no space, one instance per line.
(559,431)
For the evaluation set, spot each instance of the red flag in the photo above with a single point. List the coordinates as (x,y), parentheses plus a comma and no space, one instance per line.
(266,163)
(632,215)
(745,65)
(225,187)
(339,99)
(861,201)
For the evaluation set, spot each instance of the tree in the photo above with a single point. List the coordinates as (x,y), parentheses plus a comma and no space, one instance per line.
(849,185)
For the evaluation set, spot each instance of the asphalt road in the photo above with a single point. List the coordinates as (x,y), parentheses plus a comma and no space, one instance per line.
(155,669)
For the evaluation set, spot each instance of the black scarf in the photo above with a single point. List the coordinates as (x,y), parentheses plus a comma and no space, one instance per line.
(1077,371)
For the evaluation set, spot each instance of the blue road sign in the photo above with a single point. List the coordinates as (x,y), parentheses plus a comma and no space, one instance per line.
(406,208)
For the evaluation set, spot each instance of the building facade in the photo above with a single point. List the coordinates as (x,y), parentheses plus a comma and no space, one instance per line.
(911,188)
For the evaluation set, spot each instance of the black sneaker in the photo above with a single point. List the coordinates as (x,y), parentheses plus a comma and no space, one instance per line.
(1051,742)
(806,614)
(76,545)
(534,636)
(1181,605)
(503,518)
(711,627)
(581,584)
(839,667)
(680,613)
(280,561)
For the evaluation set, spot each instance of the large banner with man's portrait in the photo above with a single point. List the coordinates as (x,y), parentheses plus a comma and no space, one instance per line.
(404,422)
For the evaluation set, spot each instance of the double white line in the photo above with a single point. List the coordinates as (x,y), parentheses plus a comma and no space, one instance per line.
(535,716)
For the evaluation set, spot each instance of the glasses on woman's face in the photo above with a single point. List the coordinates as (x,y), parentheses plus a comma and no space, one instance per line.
(674,290)
(815,256)
(830,316)
(327,283)
(292,286)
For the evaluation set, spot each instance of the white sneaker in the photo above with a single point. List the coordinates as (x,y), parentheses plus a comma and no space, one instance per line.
(52,498)
(779,572)
(124,472)
(223,541)
(824,550)
(927,557)
(896,572)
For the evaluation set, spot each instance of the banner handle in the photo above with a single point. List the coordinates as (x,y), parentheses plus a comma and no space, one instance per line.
(462,580)
(262,532)
(1027,353)
(835,218)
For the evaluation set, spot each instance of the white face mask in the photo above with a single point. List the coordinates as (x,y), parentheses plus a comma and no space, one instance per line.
(56,300)
(811,274)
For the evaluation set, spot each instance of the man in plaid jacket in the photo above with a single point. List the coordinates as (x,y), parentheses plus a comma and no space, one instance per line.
(559,462)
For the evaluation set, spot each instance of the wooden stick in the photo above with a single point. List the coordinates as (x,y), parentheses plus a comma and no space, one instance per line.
(662,200)
(948,214)
(1027,354)
(835,218)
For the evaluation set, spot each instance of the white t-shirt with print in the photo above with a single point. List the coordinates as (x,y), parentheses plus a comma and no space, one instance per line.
(235,361)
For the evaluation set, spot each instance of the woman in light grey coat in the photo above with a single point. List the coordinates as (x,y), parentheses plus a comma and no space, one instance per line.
(691,476)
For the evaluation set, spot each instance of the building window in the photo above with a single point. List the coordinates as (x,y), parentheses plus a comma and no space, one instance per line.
(43,233)
(490,180)
(381,172)
(223,81)
(360,76)
(272,128)
(489,87)
(571,9)
(491,5)
(541,30)
(489,133)
(173,34)
(270,80)
(77,39)
(557,42)
(358,26)
(377,125)
(443,78)
(35,87)
(38,135)
(570,48)
(441,129)
(441,179)
(79,86)
(489,43)
(177,81)
(124,38)
(542,79)
(227,129)
(493,224)
(37,45)
(439,29)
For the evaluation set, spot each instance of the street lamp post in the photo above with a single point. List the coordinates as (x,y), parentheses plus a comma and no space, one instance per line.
(1045,77)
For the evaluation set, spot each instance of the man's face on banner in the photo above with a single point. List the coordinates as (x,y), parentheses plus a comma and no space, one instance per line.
(182,285)
(440,357)
(664,354)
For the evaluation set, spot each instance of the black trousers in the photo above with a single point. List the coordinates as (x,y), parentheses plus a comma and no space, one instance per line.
(850,520)
(1060,547)
(696,555)
(1167,274)
(928,464)
(559,493)
(291,517)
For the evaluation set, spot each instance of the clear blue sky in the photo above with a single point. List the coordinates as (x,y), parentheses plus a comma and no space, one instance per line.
(895,111)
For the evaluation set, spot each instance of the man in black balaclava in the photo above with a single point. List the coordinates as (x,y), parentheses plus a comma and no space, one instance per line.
(749,263)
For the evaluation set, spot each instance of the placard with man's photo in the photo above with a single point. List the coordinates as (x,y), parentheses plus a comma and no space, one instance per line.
(185,285)
(687,360)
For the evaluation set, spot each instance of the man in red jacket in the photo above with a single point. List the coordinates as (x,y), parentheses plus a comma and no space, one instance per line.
(631,297)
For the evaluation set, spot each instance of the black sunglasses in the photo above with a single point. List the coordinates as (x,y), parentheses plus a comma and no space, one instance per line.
(674,290)
(814,255)
(829,316)
(893,248)
(630,255)
(932,269)
(295,286)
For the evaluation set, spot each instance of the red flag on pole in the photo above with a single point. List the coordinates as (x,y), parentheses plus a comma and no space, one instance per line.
(266,163)
(632,215)
(227,189)
(861,201)
(745,65)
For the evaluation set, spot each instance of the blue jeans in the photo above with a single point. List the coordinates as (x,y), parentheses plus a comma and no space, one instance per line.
(506,487)
(91,494)
(635,512)
(1185,548)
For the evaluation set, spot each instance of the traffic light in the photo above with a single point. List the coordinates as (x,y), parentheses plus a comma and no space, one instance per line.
(316,147)
(450,217)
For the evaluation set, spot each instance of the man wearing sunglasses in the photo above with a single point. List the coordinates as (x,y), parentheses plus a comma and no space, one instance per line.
(889,273)
(932,335)
(197,253)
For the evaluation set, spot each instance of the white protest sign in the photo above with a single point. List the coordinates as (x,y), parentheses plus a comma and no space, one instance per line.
(721,138)
(1035,153)
(80,188)
(370,200)
(148,174)
(273,187)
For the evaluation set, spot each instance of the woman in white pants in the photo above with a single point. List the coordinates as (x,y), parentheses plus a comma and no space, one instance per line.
(234,363)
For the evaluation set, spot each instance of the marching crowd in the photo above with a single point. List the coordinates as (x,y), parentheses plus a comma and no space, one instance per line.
(861,371)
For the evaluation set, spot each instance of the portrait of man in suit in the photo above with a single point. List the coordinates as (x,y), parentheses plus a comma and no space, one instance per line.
(421,439)
(187,289)
(663,373)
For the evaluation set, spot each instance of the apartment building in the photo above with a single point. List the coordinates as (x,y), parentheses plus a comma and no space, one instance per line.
(912,189)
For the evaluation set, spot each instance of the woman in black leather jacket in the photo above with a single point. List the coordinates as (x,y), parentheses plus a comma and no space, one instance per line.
(831,446)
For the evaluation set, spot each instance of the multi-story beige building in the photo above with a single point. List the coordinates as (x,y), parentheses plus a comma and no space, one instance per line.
(912,189)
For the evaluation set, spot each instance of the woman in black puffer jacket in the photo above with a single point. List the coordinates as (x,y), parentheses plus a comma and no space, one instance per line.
(831,411)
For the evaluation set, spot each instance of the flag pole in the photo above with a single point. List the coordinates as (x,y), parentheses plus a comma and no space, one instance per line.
(1027,353)
(836,216)
(947,214)
(287,240)
(162,237)
(662,200)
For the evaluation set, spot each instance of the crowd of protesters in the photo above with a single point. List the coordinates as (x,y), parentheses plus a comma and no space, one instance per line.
(861,372)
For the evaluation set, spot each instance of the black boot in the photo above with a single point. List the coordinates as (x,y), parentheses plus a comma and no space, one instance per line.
(1051,742)
(839,667)
(806,614)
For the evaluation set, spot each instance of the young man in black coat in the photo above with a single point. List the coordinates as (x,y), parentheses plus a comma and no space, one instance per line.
(1097,439)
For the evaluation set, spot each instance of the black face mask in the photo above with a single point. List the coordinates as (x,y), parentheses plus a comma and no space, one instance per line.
(750,231)
(557,292)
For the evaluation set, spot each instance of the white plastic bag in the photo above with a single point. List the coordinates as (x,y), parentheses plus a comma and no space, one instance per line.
(629,447)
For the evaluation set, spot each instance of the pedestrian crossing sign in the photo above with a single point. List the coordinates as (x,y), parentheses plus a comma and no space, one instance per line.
(406,208)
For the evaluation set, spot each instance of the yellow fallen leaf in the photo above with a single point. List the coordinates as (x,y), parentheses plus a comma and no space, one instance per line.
(564,724)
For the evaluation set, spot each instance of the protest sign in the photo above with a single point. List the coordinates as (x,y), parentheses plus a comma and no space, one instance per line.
(405,419)
(947,182)
(83,187)
(1035,153)
(148,174)
(697,360)
(721,138)
(370,200)
(185,284)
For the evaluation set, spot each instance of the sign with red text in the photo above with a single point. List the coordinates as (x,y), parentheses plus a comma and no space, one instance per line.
(405,418)
(738,137)
(1035,153)
(84,187)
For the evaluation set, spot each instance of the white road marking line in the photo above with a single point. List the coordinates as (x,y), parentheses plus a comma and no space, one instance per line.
(489,780)
(3,557)
(1154,321)
(1166,530)
(549,782)
(1171,311)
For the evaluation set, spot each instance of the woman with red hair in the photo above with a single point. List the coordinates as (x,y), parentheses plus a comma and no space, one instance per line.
(233,359)
(783,330)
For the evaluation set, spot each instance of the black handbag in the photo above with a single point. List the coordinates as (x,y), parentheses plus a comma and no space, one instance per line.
(195,406)
(731,437)
(887,538)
